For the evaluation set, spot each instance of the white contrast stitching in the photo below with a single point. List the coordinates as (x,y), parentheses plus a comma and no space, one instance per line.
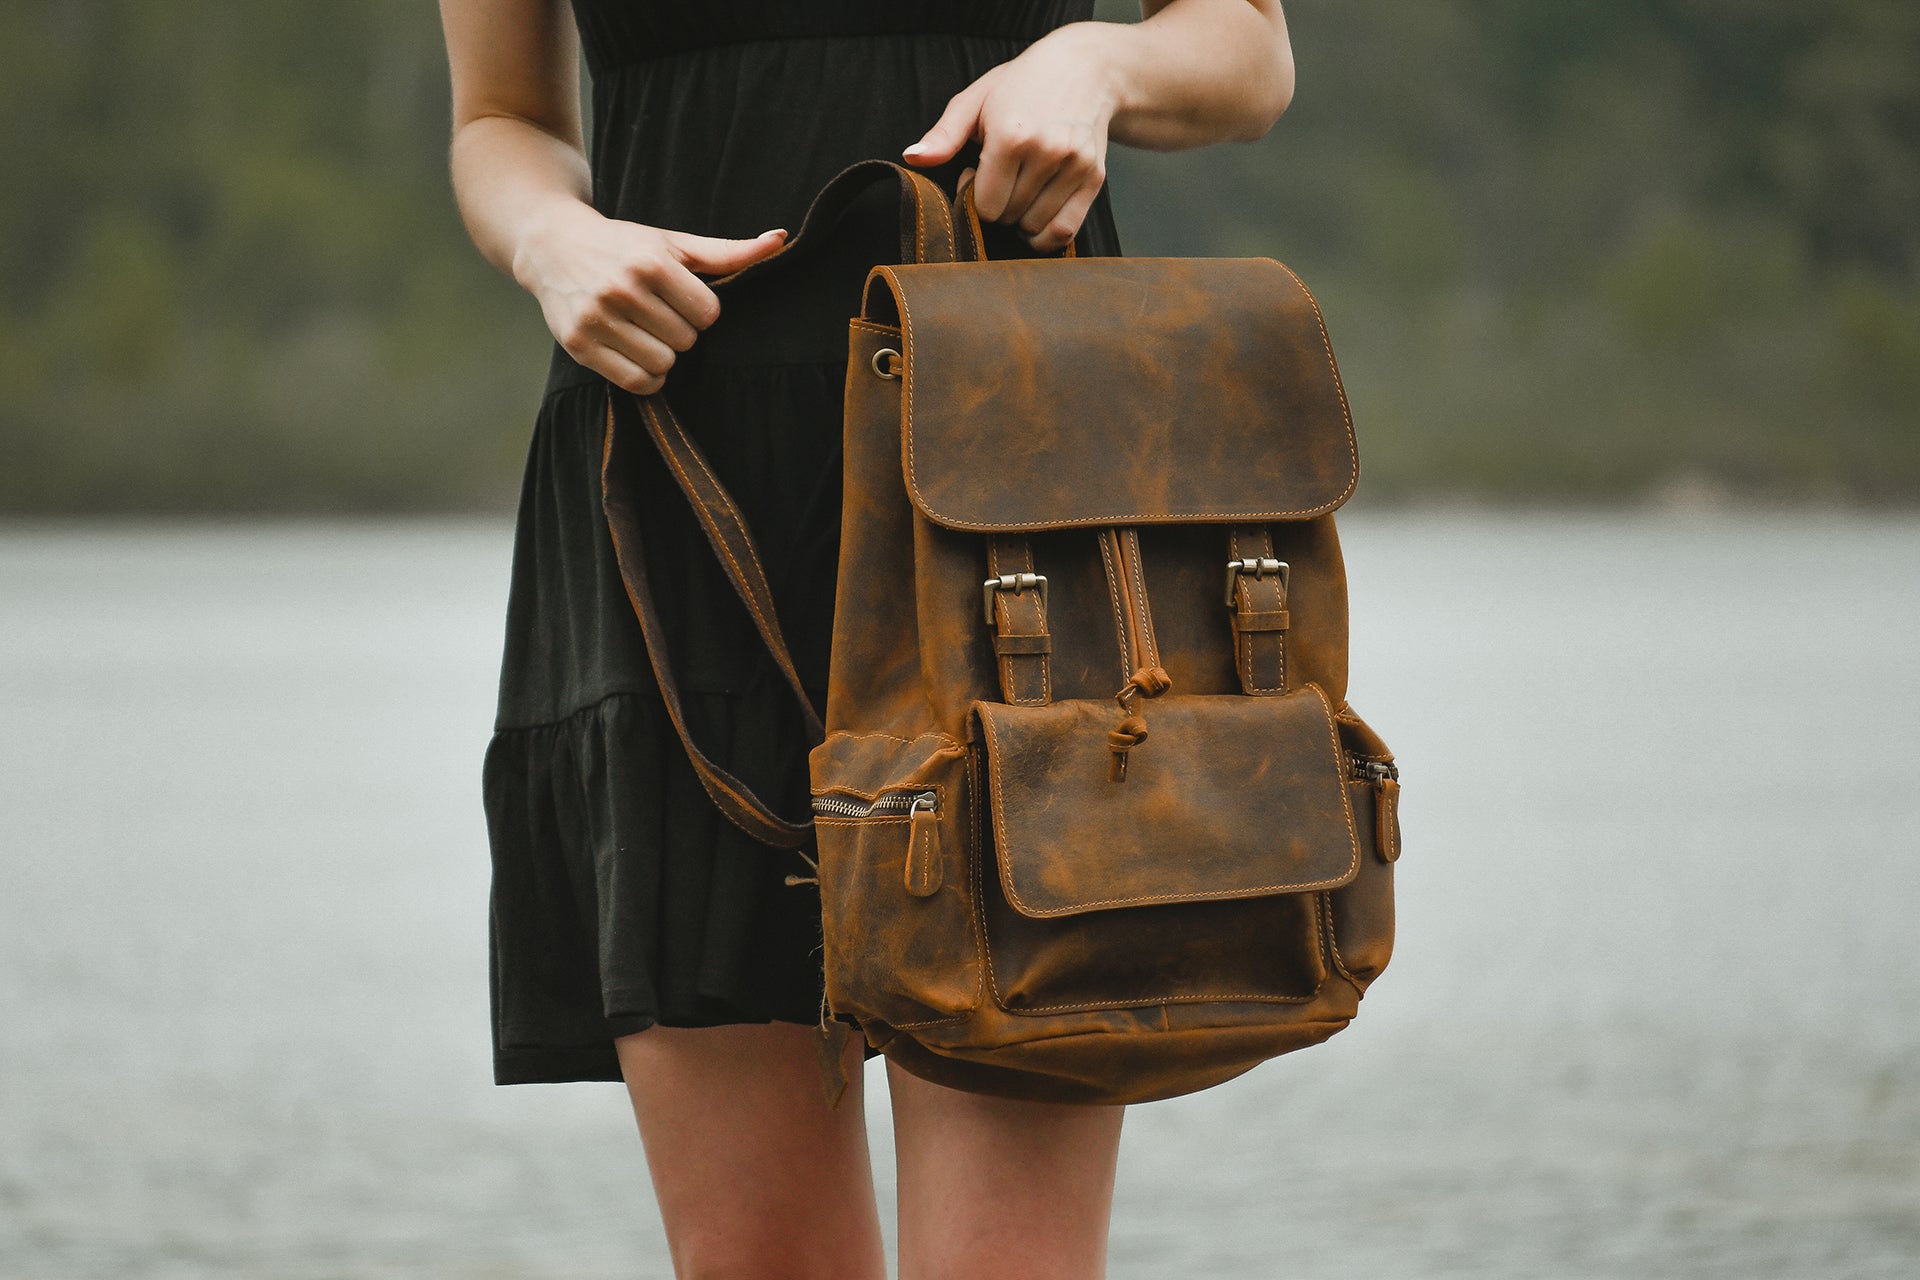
(1243,640)
(930,1022)
(747,540)
(709,774)
(946,223)
(1333,366)
(1149,1002)
(938,790)
(891,737)
(1346,414)
(1119,622)
(984,944)
(1006,863)
(1333,944)
(1003,618)
(1136,563)
(724,542)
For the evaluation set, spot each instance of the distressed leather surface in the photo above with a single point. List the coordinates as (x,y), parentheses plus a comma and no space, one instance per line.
(1231,798)
(1118,391)
(907,956)
(1054,925)
(1235,951)
(1074,1001)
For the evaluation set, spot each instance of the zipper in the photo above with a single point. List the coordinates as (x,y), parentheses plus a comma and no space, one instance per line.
(1374,771)
(925,868)
(888,804)
(1384,776)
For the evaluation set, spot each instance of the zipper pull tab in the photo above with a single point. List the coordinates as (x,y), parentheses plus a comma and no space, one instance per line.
(1386,817)
(925,869)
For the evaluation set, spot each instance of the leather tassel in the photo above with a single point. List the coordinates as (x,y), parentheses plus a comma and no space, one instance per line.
(926,869)
(1386,819)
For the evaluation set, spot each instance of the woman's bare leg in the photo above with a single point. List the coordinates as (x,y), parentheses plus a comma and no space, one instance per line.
(989,1187)
(756,1177)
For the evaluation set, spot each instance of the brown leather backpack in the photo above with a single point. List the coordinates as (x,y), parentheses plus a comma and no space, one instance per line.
(1095,821)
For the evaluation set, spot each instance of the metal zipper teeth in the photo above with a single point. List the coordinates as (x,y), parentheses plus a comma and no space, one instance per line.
(886,804)
(1374,771)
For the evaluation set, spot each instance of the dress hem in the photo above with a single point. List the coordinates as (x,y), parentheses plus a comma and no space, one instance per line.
(596,1061)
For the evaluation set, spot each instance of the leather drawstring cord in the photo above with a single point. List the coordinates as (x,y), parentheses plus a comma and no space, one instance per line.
(1147,682)
(794,881)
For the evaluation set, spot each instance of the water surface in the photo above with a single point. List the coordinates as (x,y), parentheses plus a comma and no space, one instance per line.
(1654,1012)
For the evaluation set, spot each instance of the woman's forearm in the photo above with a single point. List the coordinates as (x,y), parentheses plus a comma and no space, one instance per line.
(516,183)
(1194,72)
(621,298)
(517,160)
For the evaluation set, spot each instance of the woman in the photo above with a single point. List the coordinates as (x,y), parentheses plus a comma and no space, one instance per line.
(635,934)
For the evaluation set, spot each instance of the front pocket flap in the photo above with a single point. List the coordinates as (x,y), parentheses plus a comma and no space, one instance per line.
(1228,797)
(1046,394)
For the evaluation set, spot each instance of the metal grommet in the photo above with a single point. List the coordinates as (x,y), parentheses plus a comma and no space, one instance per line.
(881,368)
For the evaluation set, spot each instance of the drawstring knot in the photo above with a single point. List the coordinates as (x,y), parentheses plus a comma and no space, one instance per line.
(1150,681)
(1129,733)
(1147,682)
(795,881)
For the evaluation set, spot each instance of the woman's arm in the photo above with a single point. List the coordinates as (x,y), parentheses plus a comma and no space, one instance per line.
(622,298)
(1194,72)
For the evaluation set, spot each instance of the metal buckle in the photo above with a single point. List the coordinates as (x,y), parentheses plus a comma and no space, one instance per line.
(887,363)
(1014,582)
(1259,567)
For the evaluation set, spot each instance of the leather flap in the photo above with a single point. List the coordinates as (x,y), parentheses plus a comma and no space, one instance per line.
(1050,393)
(1228,797)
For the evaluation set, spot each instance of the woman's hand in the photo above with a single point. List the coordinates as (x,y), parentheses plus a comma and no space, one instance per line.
(1042,120)
(622,298)
(1194,72)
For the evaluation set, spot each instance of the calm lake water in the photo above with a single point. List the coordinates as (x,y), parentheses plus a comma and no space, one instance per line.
(1654,1012)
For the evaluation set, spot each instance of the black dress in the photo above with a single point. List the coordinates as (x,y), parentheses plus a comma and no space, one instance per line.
(621,898)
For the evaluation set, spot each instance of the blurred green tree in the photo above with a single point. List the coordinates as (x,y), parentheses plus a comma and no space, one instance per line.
(1567,251)
(231,275)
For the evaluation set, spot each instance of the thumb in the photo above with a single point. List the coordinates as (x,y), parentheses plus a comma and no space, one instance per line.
(950,132)
(710,256)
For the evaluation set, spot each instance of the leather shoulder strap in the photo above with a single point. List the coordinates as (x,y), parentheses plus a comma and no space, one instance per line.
(926,235)
(926,218)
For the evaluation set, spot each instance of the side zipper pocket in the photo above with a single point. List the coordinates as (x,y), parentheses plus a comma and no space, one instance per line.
(1362,913)
(925,869)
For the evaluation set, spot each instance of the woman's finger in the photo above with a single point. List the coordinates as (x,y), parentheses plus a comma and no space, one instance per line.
(622,372)
(605,333)
(1038,168)
(635,344)
(1046,205)
(1031,159)
(650,313)
(993,183)
(671,282)
(713,256)
(1065,224)
(952,130)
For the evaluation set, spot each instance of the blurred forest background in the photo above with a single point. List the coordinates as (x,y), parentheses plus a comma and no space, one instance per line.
(1568,251)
